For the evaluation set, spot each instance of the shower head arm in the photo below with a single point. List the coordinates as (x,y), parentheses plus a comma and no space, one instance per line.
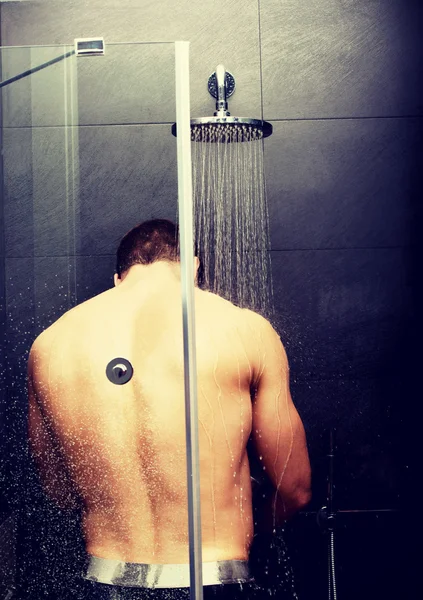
(221,102)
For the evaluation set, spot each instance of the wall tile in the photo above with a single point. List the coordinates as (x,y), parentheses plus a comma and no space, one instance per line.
(131,83)
(18,192)
(54,289)
(340,59)
(39,291)
(2,290)
(365,417)
(15,331)
(55,184)
(42,98)
(8,533)
(15,97)
(343,183)
(2,337)
(344,313)
(41,172)
(214,39)
(94,275)
(122,86)
(2,293)
(127,175)
(20,312)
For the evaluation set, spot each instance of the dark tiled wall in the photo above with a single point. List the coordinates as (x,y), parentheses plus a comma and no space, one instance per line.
(339,80)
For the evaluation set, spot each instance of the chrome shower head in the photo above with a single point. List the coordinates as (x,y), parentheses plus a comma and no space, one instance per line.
(229,129)
(222,127)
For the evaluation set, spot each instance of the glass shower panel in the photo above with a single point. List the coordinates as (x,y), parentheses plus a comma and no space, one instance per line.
(40,185)
(38,190)
(87,154)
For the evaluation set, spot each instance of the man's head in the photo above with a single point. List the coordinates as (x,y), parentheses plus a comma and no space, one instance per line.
(147,243)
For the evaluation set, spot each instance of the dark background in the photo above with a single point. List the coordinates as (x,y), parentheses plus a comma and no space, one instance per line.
(340,82)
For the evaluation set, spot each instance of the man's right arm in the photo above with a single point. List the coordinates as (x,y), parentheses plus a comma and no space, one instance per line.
(278,433)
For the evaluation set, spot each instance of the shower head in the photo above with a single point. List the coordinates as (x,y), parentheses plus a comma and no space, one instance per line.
(222,127)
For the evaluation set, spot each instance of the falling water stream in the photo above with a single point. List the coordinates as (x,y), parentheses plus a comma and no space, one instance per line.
(231,227)
(230,215)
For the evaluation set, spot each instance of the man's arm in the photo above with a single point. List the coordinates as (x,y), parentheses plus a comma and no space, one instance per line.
(278,433)
(45,449)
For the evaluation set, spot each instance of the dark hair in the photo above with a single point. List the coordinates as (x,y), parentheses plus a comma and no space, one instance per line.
(147,243)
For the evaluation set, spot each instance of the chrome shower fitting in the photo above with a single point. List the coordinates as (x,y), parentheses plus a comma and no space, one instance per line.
(221,85)
(222,127)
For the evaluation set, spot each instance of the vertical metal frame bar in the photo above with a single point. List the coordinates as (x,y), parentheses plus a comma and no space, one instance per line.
(186,241)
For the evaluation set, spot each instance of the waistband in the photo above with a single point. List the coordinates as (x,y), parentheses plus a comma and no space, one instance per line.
(117,572)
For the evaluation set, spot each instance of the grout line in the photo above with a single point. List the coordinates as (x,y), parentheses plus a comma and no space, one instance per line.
(71,257)
(72,45)
(328,249)
(163,123)
(167,123)
(260,60)
(335,249)
(358,118)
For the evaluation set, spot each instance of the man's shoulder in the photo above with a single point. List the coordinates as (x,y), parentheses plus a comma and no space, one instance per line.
(64,325)
(238,315)
(256,318)
(265,336)
(44,340)
(220,306)
(258,322)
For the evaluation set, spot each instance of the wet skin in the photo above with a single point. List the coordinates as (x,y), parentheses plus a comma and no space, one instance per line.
(119,450)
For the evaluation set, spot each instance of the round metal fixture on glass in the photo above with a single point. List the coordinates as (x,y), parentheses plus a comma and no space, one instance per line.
(119,371)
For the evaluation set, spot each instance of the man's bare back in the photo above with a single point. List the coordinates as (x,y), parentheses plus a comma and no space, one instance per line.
(120,449)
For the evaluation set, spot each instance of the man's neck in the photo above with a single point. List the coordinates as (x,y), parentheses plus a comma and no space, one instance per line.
(158,274)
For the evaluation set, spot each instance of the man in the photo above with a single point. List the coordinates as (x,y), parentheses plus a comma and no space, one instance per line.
(107,426)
